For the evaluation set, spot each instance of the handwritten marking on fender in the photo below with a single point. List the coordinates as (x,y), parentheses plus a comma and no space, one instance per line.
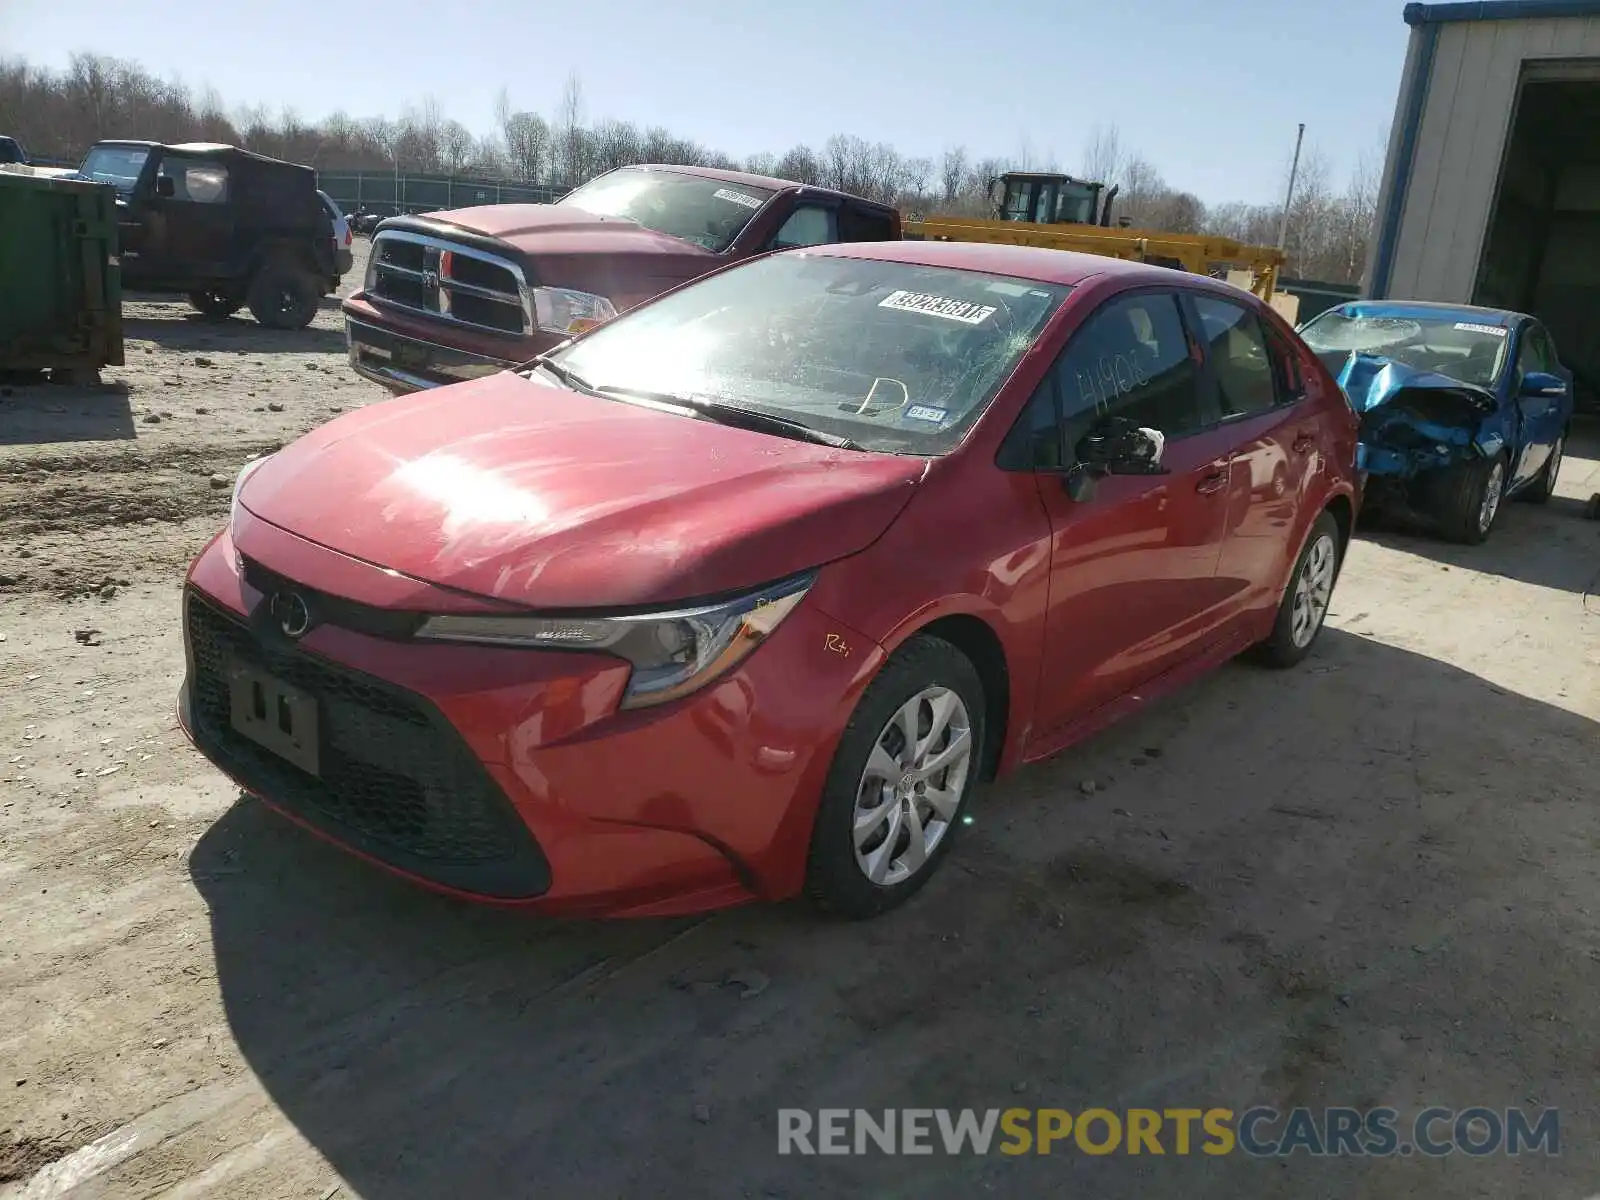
(837,644)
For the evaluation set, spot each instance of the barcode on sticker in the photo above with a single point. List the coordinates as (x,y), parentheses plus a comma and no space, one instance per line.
(1492,330)
(736,197)
(951,309)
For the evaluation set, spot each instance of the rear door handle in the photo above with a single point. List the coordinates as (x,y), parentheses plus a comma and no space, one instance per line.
(1304,443)
(1213,482)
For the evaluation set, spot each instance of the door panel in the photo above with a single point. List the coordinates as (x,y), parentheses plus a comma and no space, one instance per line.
(1133,586)
(1540,418)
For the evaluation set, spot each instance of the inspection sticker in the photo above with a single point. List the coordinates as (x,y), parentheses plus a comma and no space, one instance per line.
(951,309)
(737,197)
(926,412)
(1492,330)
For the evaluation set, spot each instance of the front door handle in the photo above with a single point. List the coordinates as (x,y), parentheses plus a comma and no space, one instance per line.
(1213,482)
(1304,443)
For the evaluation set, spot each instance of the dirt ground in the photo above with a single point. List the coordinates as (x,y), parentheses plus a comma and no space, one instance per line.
(1367,881)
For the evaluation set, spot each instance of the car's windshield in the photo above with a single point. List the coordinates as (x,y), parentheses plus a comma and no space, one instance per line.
(116,165)
(707,212)
(893,356)
(1452,344)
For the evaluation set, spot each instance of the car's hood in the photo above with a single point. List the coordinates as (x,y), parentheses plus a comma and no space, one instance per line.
(564,229)
(1371,381)
(527,492)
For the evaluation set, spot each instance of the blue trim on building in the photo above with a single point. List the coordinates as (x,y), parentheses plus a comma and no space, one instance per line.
(1405,157)
(1500,10)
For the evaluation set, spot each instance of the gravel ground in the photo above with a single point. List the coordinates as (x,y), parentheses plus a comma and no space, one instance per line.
(1368,881)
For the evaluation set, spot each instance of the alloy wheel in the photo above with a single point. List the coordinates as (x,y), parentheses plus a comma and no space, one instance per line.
(912,785)
(1491,496)
(1313,590)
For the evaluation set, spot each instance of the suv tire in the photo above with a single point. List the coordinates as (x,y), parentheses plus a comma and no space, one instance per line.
(215,306)
(284,296)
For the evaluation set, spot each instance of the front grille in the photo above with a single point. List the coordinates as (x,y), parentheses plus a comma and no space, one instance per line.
(395,780)
(449,280)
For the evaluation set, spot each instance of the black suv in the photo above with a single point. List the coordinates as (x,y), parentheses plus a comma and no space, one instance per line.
(223,226)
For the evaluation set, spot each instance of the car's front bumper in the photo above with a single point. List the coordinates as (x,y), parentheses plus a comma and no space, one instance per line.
(510,775)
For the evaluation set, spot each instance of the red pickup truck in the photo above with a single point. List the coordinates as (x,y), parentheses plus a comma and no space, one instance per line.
(455,295)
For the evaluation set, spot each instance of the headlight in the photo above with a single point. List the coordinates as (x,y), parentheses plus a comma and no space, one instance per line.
(673,653)
(249,469)
(370,281)
(562,310)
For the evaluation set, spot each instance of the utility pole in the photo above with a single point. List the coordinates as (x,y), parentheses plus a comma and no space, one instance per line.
(1294,169)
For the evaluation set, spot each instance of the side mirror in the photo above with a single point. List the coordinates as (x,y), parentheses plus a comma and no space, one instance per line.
(166,187)
(1542,383)
(1116,446)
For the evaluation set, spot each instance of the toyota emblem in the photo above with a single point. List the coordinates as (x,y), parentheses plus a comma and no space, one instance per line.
(293,615)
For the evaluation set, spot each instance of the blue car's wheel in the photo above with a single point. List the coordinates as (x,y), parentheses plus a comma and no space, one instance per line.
(1467,496)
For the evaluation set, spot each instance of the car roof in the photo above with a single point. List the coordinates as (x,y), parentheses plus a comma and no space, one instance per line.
(213,148)
(1503,317)
(745,178)
(1042,265)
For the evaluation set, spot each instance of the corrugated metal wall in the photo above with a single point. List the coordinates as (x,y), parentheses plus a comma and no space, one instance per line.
(1460,144)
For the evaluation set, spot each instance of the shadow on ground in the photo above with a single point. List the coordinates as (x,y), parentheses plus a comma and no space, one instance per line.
(41,413)
(189,331)
(1362,882)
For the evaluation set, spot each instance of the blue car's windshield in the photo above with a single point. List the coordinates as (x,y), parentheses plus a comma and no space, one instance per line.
(116,165)
(1450,343)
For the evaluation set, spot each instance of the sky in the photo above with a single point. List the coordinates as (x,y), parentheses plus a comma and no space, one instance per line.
(1209,92)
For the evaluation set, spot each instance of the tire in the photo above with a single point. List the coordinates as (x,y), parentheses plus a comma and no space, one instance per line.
(284,296)
(925,676)
(215,306)
(1306,598)
(1467,499)
(1542,488)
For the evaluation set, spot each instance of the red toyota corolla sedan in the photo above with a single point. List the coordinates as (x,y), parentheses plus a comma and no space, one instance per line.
(743,593)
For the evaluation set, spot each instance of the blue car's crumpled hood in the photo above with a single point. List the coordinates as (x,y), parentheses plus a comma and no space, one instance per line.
(1371,381)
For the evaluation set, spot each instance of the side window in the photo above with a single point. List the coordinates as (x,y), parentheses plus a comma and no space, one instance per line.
(1285,366)
(1034,443)
(1535,354)
(1237,347)
(858,224)
(807,225)
(196,180)
(1131,359)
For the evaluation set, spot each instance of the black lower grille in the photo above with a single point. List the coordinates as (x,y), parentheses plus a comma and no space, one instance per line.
(394,779)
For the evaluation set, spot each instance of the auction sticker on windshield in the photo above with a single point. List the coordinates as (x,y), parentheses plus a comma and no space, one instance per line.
(736,197)
(1492,330)
(948,307)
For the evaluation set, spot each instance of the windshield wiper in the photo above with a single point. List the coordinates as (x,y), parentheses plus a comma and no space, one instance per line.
(733,414)
(566,376)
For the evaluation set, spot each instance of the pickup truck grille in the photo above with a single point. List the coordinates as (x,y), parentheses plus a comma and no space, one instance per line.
(451,281)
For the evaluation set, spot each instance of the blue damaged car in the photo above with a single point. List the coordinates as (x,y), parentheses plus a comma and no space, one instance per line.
(1460,407)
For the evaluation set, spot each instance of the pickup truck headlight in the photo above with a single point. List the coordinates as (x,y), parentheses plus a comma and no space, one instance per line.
(563,310)
(673,652)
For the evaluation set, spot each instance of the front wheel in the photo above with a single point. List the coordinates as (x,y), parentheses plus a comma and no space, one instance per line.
(1467,498)
(1305,602)
(215,306)
(899,783)
(284,296)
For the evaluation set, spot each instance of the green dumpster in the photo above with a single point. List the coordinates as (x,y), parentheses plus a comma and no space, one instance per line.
(60,283)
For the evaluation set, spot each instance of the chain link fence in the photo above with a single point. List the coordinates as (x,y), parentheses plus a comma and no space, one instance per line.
(388,193)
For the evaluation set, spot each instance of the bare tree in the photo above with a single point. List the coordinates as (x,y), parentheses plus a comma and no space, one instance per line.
(953,172)
(1104,160)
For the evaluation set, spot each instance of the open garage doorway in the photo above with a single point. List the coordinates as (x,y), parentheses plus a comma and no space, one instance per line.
(1542,254)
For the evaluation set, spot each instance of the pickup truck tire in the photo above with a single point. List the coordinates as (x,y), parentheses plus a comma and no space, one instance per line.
(284,296)
(1544,486)
(215,306)
(1467,498)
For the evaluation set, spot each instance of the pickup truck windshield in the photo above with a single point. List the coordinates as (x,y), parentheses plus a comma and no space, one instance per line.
(1451,344)
(707,212)
(116,165)
(893,356)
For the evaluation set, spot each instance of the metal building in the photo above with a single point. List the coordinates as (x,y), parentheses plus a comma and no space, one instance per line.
(1491,192)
